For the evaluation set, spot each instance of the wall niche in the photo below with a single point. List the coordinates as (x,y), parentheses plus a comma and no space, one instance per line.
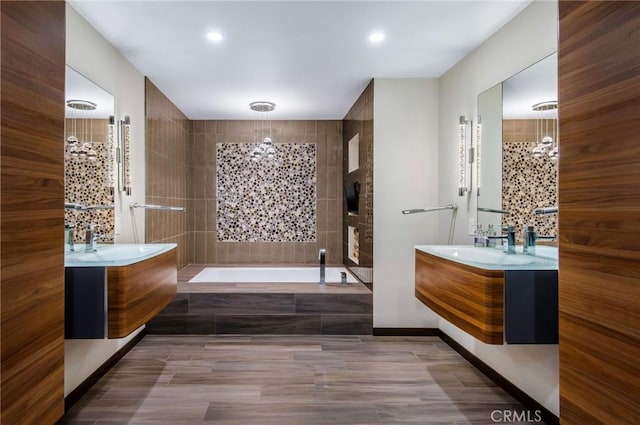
(358,172)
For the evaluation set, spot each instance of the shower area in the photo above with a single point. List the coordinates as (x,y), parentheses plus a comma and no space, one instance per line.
(253,214)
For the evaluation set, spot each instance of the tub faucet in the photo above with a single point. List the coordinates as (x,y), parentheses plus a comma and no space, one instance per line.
(321,256)
(91,238)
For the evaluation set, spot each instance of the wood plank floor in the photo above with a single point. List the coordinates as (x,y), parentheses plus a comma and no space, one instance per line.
(291,380)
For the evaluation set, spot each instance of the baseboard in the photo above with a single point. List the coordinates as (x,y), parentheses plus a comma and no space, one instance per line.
(405,332)
(525,399)
(86,385)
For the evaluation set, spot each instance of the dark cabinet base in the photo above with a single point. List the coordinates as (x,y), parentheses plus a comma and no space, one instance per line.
(531,306)
(85,302)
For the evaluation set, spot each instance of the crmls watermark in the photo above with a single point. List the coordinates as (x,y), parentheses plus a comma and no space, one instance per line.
(510,416)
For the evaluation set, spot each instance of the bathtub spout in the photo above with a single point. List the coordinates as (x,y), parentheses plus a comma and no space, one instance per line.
(321,256)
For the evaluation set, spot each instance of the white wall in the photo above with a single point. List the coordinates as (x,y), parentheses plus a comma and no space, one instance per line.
(89,53)
(529,37)
(94,57)
(405,146)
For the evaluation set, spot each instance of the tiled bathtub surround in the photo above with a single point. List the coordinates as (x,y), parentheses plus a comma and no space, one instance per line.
(527,182)
(326,136)
(271,200)
(264,308)
(166,153)
(85,181)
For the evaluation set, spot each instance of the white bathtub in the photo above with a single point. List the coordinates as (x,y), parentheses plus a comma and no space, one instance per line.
(270,275)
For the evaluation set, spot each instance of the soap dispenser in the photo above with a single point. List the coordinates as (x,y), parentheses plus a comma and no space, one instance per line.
(479,239)
(491,242)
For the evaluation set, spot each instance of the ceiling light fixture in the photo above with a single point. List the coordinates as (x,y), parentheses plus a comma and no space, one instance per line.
(377,37)
(546,131)
(265,149)
(76,147)
(214,36)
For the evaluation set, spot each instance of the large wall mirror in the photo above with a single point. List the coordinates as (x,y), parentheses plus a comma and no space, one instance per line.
(89,157)
(518,151)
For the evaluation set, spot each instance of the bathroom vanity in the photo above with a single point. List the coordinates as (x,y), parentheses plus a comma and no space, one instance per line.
(114,290)
(495,297)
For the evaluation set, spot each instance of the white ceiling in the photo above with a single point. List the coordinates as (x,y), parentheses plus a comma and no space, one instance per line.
(312,58)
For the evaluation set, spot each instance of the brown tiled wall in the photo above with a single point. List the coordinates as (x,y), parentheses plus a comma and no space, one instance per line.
(166,151)
(359,120)
(202,166)
(527,182)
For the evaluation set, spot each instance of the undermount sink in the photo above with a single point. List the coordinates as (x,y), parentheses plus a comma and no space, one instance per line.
(495,259)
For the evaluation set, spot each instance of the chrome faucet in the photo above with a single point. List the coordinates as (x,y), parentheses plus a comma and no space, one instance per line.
(321,256)
(91,238)
(510,237)
(530,238)
(546,210)
(68,236)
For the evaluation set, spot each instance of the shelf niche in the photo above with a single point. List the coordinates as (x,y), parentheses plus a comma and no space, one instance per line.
(353,244)
(353,163)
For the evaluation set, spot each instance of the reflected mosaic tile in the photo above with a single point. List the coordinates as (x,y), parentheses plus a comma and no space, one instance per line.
(528,183)
(266,201)
(85,182)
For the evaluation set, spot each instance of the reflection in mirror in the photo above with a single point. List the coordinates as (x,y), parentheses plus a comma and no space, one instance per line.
(519,150)
(89,157)
(489,160)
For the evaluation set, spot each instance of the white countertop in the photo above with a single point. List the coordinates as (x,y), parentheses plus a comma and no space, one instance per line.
(546,257)
(113,255)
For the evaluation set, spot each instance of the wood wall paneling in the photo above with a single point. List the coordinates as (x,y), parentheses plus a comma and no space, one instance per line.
(599,219)
(470,298)
(32,220)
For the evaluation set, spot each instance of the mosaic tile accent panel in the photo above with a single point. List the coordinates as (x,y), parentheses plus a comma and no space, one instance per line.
(85,181)
(528,183)
(266,201)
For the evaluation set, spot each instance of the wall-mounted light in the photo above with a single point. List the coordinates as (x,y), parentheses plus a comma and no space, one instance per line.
(123,155)
(463,188)
(111,155)
(478,150)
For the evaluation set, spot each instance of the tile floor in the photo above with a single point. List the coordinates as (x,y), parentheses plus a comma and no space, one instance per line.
(291,380)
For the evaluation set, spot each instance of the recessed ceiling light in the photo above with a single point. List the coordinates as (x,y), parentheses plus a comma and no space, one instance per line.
(376,37)
(214,36)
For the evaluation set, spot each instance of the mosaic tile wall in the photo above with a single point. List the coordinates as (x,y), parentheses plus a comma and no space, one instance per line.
(359,120)
(527,182)
(167,156)
(269,200)
(273,247)
(85,181)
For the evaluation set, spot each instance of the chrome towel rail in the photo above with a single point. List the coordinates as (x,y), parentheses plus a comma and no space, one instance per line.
(80,207)
(421,210)
(454,213)
(492,210)
(156,207)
